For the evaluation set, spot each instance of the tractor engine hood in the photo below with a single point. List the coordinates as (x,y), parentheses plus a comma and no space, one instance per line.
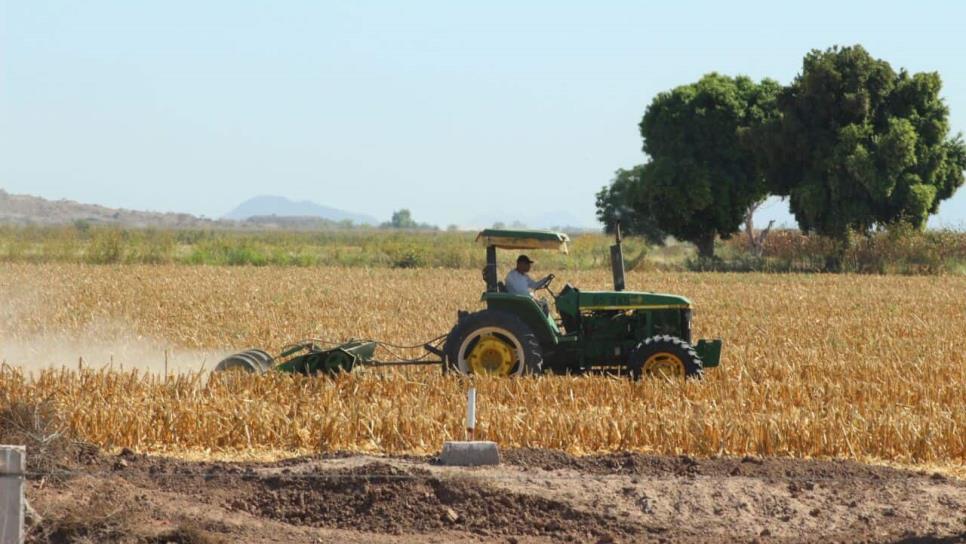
(629,300)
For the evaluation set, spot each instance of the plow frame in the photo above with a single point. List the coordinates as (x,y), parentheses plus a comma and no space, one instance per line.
(309,358)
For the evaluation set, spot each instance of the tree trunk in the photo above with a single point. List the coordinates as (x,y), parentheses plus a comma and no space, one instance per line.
(705,245)
(756,242)
(750,223)
(833,262)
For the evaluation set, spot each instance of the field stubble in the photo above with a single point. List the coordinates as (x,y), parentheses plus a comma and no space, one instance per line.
(863,367)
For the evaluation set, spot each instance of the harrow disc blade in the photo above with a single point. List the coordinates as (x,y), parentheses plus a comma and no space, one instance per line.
(254,361)
(266,360)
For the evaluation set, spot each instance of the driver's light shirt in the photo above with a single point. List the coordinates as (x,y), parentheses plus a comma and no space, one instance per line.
(519,284)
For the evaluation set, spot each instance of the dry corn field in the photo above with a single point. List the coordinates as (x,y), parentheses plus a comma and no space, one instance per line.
(863,367)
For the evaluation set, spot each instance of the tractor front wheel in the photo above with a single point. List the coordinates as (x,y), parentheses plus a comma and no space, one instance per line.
(665,356)
(493,343)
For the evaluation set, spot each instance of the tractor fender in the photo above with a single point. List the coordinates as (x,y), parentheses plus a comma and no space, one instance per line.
(527,310)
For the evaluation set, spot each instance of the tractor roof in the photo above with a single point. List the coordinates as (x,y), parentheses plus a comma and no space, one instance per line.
(523,239)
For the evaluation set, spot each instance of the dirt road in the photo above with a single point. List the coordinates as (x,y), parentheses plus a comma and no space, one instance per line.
(535,496)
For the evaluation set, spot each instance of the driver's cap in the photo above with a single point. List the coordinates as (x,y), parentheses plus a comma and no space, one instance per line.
(525,259)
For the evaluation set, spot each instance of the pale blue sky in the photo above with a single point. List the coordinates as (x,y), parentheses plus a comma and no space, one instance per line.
(450,109)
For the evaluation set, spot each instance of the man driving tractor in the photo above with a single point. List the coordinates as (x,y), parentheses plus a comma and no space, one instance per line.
(519,283)
(635,333)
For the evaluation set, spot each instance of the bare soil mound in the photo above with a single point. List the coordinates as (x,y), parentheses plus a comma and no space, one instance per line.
(388,499)
(767,468)
(535,496)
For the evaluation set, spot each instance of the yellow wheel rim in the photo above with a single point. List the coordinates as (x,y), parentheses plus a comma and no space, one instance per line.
(491,356)
(664,364)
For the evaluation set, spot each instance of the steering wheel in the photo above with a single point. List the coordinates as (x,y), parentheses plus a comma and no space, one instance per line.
(545,283)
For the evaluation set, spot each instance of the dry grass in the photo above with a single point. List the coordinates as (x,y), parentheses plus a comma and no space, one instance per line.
(845,366)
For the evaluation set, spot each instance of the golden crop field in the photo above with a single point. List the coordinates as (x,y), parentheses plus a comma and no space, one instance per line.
(863,367)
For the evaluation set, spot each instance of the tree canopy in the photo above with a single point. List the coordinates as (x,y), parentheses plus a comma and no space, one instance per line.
(852,143)
(858,144)
(622,201)
(702,177)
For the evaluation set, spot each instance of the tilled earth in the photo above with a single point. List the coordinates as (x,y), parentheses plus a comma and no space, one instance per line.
(535,496)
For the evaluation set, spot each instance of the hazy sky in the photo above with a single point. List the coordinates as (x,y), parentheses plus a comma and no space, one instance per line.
(447,108)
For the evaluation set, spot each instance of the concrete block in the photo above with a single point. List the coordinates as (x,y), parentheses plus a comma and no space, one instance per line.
(13,460)
(470,454)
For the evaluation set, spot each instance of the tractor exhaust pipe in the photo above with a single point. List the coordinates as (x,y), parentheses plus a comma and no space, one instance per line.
(617,259)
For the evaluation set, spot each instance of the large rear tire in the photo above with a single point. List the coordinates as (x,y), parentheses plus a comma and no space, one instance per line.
(665,356)
(493,343)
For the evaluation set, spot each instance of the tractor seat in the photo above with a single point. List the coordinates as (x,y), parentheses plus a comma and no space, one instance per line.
(500,286)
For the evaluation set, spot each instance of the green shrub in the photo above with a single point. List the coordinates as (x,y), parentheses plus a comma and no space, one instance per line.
(151,246)
(106,246)
(407,257)
(897,250)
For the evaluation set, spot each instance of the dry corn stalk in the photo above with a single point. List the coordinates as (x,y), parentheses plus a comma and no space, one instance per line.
(867,367)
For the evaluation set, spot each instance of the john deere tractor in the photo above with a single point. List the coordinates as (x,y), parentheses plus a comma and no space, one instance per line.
(636,333)
(626,332)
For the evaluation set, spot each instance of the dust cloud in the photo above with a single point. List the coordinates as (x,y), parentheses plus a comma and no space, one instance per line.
(103,345)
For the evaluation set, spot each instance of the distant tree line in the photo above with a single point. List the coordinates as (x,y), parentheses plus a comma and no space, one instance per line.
(403,219)
(851,143)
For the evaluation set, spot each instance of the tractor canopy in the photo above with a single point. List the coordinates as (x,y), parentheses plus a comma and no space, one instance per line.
(523,239)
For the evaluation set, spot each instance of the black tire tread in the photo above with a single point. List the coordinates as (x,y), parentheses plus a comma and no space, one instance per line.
(693,366)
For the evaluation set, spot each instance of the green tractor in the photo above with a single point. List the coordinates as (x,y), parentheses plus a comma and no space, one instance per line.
(628,332)
(624,332)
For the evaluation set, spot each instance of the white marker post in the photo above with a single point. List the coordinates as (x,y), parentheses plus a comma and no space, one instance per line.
(471,414)
(470,452)
(12,465)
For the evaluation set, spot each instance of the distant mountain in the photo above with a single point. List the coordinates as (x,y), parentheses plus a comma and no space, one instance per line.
(34,210)
(279,206)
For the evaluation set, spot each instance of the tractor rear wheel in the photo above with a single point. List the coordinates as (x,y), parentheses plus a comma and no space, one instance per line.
(254,361)
(493,343)
(665,356)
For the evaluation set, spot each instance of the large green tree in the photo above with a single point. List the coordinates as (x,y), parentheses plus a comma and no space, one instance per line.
(621,201)
(702,176)
(858,145)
